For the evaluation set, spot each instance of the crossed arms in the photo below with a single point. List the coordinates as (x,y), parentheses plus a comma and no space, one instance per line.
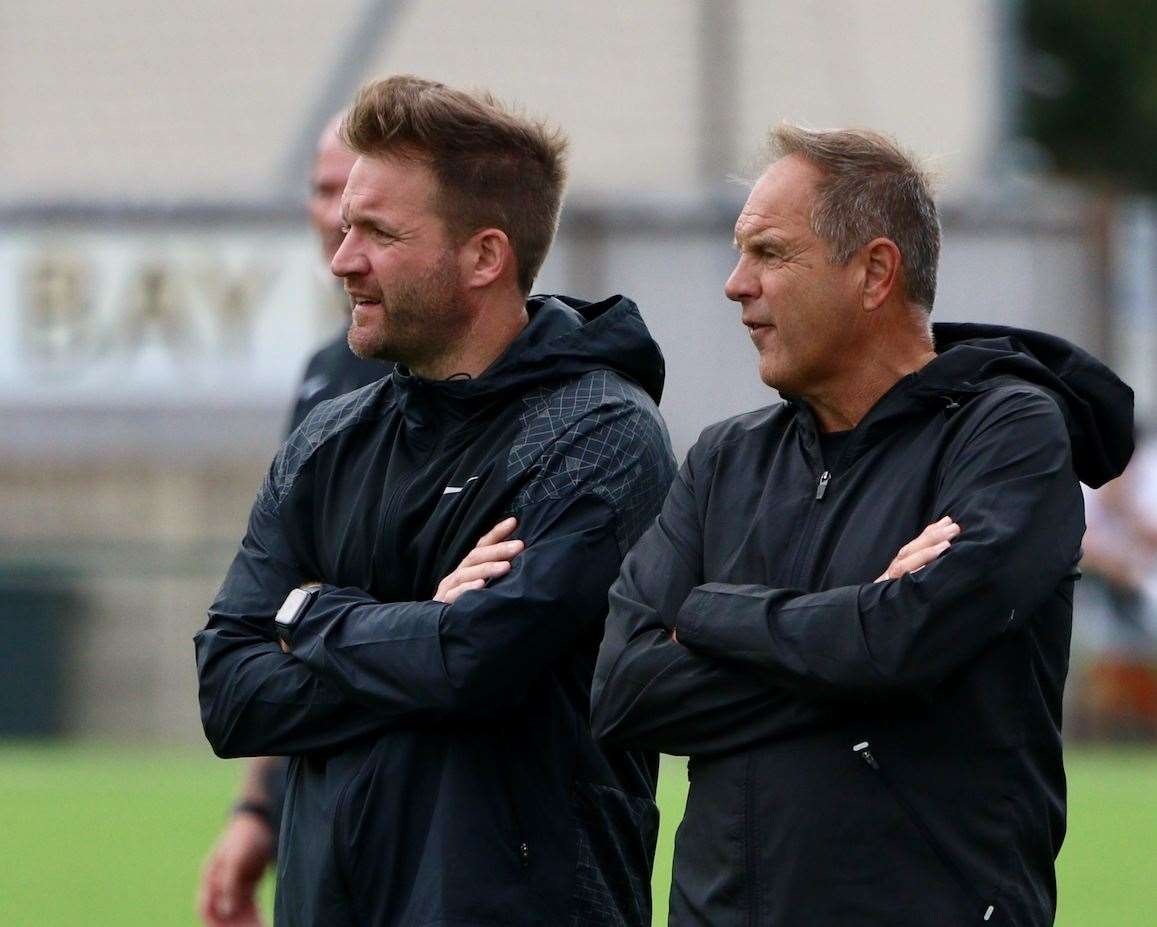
(359,666)
(689,666)
(749,662)
(474,649)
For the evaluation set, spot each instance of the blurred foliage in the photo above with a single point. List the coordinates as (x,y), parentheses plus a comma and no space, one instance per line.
(1089,82)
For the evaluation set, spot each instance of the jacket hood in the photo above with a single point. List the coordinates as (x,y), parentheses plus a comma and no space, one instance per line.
(565,338)
(1097,405)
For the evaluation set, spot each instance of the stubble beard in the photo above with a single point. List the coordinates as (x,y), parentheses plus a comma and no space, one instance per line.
(419,321)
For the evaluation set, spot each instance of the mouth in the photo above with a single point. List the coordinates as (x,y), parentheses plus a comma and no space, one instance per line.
(358,301)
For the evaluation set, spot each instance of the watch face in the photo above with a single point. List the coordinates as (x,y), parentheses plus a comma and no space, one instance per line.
(291,607)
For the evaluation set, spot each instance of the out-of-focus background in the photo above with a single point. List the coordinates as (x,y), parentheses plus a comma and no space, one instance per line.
(160,291)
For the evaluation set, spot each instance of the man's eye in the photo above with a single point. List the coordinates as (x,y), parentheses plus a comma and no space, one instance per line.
(345,229)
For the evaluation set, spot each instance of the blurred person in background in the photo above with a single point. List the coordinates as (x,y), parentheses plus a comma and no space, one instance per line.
(427,670)
(247,846)
(334,369)
(872,739)
(1118,601)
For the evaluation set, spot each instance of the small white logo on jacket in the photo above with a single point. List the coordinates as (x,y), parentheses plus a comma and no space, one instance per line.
(450,490)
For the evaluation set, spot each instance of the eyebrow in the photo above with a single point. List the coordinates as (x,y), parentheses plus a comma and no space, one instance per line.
(378,222)
(762,239)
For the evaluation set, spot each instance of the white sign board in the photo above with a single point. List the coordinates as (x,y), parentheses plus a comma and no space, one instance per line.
(160,316)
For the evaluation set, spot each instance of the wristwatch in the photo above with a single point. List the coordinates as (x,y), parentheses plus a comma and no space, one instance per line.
(295,605)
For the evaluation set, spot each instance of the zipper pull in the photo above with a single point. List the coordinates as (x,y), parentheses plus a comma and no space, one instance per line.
(825,478)
(988,913)
(866,754)
(524,855)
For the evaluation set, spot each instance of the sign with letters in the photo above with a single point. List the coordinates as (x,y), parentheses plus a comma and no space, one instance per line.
(160,315)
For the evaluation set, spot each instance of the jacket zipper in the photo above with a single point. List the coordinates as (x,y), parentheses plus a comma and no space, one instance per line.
(803,549)
(864,751)
(822,486)
(402,490)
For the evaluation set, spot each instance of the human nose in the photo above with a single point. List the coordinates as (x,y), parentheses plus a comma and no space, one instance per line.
(742,282)
(348,260)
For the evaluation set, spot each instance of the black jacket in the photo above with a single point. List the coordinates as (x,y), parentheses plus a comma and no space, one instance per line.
(332,371)
(443,769)
(870,753)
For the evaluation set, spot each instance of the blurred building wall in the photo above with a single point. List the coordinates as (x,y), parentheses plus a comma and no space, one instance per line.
(200,99)
(159,291)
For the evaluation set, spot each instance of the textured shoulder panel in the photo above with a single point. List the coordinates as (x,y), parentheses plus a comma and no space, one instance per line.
(327,419)
(599,434)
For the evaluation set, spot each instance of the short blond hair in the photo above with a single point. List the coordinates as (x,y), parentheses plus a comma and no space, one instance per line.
(494,168)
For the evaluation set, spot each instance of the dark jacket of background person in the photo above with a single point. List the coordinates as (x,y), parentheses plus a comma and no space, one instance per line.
(871,752)
(333,371)
(443,768)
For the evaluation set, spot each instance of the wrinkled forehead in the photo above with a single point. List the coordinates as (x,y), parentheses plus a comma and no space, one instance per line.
(782,198)
(399,190)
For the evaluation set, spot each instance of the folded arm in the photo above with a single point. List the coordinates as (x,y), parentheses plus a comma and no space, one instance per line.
(689,667)
(1011,489)
(255,699)
(474,655)
(650,692)
(477,657)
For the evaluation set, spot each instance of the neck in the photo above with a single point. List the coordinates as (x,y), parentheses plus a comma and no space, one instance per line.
(840,403)
(495,323)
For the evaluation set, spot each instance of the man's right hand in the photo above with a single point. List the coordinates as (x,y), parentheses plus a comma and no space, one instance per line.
(923,549)
(229,879)
(489,559)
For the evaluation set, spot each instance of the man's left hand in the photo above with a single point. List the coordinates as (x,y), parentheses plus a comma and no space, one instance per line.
(489,559)
(922,549)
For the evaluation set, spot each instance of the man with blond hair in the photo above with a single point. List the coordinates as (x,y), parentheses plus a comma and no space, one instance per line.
(872,739)
(414,613)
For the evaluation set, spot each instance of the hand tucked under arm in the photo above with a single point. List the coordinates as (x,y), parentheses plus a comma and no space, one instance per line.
(436,661)
(913,556)
(1012,488)
(651,693)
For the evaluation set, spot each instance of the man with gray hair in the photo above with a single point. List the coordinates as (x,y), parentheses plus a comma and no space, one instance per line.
(873,739)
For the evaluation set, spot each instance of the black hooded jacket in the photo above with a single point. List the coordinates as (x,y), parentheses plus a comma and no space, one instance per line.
(443,769)
(862,752)
(332,371)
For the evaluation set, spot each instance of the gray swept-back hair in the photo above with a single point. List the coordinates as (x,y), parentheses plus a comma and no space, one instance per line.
(870,189)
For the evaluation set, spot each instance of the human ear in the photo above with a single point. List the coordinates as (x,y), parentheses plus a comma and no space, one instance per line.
(486,257)
(881,271)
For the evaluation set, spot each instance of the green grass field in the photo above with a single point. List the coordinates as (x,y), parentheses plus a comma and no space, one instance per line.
(108,836)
